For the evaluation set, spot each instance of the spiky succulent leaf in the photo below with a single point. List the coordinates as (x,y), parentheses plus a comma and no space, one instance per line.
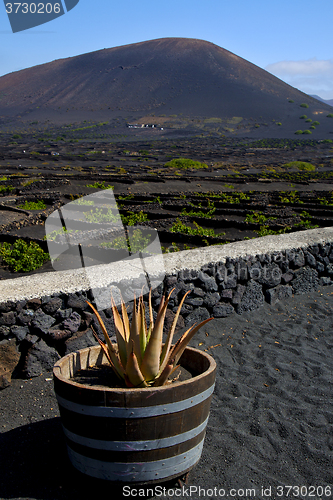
(127,326)
(118,322)
(151,317)
(112,351)
(106,352)
(150,329)
(120,333)
(133,371)
(168,342)
(150,365)
(181,344)
(142,328)
(161,303)
(134,340)
(164,375)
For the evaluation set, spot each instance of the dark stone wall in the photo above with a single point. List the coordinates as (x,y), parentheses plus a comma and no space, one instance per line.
(45,329)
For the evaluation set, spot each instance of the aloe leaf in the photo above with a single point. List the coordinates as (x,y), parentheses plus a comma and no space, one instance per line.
(126,322)
(122,347)
(175,368)
(180,345)
(134,340)
(150,365)
(142,328)
(101,323)
(133,371)
(112,351)
(168,342)
(150,329)
(163,377)
(151,317)
(106,352)
(117,318)
(162,303)
(120,333)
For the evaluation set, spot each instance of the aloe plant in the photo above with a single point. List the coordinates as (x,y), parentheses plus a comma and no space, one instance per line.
(140,358)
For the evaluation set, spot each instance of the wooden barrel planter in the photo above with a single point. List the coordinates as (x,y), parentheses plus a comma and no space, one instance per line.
(134,435)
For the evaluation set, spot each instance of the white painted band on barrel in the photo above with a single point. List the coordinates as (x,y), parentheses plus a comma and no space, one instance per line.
(136,412)
(130,472)
(152,444)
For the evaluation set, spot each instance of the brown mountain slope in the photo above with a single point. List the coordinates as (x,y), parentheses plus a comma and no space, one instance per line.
(187,77)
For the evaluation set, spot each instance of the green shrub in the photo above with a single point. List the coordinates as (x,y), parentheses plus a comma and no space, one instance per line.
(134,217)
(236,197)
(303,117)
(83,202)
(100,185)
(6,189)
(53,234)
(257,218)
(324,201)
(308,120)
(290,197)
(180,227)
(200,213)
(156,200)
(173,248)
(185,163)
(33,205)
(97,215)
(330,115)
(127,197)
(265,231)
(304,105)
(121,170)
(138,242)
(301,165)
(307,222)
(299,132)
(307,132)
(28,183)
(315,123)
(22,256)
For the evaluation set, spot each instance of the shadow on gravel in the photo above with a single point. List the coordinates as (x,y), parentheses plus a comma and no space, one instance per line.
(34,465)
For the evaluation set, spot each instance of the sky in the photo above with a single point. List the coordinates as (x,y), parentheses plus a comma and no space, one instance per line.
(292,39)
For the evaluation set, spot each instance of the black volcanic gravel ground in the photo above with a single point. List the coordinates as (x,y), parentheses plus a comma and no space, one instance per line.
(271,421)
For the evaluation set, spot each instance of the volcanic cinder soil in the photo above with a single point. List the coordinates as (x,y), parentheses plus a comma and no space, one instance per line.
(244,188)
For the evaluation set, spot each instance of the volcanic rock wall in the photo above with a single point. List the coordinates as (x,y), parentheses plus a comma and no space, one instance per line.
(45,320)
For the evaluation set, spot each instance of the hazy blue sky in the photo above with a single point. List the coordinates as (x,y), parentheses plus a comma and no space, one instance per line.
(293,39)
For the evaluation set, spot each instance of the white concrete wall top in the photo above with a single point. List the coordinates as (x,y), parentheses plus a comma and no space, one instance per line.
(43,284)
